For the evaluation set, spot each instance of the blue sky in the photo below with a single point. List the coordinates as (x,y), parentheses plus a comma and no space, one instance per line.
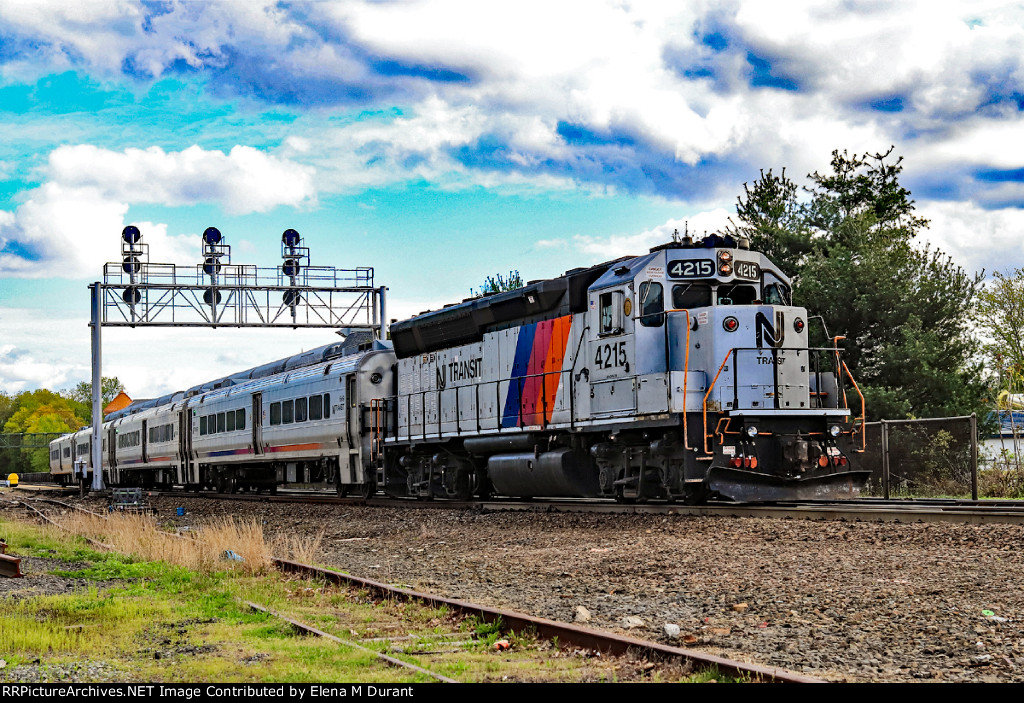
(441,141)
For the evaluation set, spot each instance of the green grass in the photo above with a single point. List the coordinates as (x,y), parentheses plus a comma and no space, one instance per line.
(155,622)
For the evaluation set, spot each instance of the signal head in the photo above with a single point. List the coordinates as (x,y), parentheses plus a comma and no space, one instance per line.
(131,234)
(131,295)
(290,238)
(212,235)
(290,267)
(211,266)
(131,264)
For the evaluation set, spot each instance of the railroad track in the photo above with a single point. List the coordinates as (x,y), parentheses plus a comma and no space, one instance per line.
(565,634)
(865,509)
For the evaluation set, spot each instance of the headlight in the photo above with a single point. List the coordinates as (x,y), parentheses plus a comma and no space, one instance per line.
(751,431)
(835,430)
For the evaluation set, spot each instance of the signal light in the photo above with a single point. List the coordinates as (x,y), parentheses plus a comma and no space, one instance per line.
(290,267)
(823,461)
(731,324)
(131,234)
(211,296)
(131,295)
(131,264)
(290,238)
(736,462)
(798,325)
(212,235)
(292,297)
(211,265)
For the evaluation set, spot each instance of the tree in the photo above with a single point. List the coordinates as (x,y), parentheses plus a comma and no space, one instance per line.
(1000,318)
(40,411)
(904,309)
(82,393)
(498,284)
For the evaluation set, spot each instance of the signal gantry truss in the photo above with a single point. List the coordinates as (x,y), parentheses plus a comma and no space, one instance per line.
(217,293)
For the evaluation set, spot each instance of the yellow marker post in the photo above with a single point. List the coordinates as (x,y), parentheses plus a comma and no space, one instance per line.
(12,480)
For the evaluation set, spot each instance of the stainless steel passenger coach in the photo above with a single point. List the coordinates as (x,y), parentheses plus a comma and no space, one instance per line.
(680,374)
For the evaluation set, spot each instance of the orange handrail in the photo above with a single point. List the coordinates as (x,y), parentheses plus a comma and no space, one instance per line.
(704,410)
(863,410)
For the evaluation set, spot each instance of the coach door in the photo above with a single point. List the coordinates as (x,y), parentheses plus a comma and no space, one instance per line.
(145,441)
(257,423)
(112,447)
(184,442)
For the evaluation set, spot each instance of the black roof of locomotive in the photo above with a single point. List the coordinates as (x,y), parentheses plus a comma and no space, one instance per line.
(466,322)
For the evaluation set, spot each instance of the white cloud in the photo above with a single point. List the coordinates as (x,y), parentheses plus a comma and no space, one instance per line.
(605,248)
(976,238)
(243,180)
(68,226)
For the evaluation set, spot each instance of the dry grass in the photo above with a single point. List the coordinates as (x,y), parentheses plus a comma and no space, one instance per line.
(299,547)
(203,551)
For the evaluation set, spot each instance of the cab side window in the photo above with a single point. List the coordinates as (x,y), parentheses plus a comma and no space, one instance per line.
(610,308)
(652,305)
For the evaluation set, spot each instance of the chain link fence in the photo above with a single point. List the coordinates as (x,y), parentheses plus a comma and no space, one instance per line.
(924,458)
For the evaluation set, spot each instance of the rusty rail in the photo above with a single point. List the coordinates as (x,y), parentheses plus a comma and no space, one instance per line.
(10,566)
(565,632)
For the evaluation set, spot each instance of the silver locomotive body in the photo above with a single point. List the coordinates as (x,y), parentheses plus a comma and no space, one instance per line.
(678,374)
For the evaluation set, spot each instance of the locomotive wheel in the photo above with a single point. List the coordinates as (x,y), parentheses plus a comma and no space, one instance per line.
(463,486)
(340,488)
(366,489)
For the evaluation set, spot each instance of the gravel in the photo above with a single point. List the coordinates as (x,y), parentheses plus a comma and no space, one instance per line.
(844,601)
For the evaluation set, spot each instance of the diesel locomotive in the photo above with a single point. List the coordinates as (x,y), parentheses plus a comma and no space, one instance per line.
(682,374)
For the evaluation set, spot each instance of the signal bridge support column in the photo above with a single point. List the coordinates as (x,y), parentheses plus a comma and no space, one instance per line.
(97,380)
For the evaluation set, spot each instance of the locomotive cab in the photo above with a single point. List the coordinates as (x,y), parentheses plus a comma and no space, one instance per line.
(707,334)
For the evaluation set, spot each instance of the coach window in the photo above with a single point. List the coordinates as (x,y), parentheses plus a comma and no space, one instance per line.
(221,424)
(316,407)
(691,295)
(229,421)
(240,419)
(300,410)
(288,412)
(327,406)
(202,425)
(275,413)
(652,305)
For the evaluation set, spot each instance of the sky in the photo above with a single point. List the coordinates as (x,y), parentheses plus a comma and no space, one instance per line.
(442,141)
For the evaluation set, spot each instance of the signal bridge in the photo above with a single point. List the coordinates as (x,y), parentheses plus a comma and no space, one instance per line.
(217,293)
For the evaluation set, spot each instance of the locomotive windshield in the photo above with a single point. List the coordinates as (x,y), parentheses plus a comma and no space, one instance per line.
(691,295)
(736,294)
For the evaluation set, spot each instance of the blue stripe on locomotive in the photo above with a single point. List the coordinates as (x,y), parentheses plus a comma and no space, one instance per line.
(520,366)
